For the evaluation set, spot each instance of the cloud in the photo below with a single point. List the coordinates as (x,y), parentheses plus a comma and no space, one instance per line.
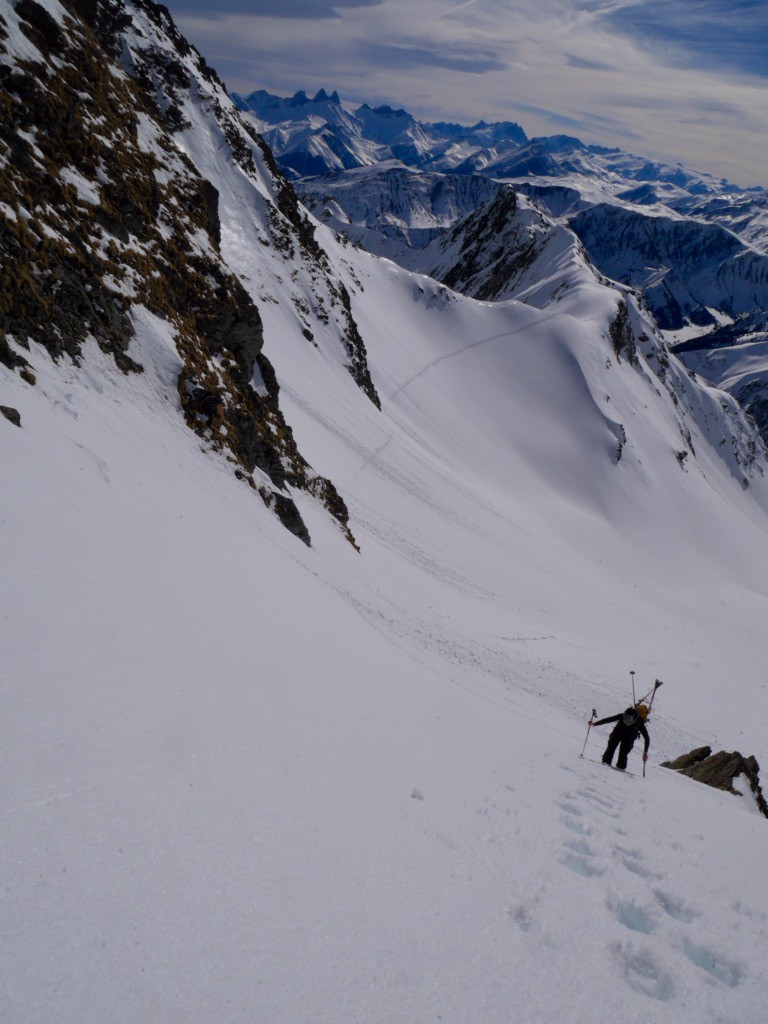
(588,65)
(676,80)
(582,122)
(400,56)
(305,9)
(727,36)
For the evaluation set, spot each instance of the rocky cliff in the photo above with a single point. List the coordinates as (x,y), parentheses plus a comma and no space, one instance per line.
(103,212)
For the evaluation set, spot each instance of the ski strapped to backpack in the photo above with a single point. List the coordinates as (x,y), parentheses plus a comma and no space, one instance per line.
(652,693)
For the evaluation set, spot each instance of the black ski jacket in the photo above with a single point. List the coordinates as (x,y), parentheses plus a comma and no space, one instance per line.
(627,731)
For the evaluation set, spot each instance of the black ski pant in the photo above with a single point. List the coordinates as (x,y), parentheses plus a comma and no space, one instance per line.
(619,738)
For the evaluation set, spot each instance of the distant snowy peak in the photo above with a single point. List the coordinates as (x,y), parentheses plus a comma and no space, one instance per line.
(407,139)
(277,109)
(311,136)
(404,204)
(685,268)
(383,124)
(561,156)
(361,136)
(508,248)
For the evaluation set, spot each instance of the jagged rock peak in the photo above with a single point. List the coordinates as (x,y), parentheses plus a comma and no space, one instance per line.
(321,96)
(387,111)
(300,98)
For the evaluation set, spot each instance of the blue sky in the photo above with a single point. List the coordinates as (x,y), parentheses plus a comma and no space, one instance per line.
(678,80)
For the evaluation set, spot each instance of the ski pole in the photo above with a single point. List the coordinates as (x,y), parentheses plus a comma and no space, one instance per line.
(589,726)
(632,673)
(656,685)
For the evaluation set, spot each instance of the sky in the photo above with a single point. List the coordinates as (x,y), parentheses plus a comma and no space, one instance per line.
(677,80)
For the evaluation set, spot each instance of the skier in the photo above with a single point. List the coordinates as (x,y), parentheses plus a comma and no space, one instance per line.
(628,724)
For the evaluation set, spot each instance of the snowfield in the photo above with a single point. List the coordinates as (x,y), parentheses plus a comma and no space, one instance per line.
(246,780)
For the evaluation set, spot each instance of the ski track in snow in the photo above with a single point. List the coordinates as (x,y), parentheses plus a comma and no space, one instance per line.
(467,348)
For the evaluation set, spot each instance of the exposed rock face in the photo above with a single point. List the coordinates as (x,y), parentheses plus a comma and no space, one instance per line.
(622,336)
(732,357)
(409,206)
(101,211)
(11,414)
(684,267)
(487,253)
(720,770)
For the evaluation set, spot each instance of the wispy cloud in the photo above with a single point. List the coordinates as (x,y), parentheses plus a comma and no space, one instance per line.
(585,124)
(291,9)
(414,56)
(725,35)
(678,79)
(588,65)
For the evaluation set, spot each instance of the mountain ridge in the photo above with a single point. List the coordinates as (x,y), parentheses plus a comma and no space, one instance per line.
(693,245)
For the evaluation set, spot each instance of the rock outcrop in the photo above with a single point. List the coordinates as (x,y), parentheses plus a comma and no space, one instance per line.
(720,770)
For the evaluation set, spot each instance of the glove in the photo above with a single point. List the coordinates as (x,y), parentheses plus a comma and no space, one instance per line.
(645,758)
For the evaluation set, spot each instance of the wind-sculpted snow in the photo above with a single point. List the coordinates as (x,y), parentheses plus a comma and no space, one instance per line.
(249,780)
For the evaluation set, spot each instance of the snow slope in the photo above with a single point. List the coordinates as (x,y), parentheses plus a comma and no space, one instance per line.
(251,780)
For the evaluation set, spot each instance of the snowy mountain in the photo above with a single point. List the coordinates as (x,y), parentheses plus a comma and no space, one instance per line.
(562,156)
(249,778)
(499,150)
(735,357)
(128,223)
(548,168)
(694,245)
(390,201)
(311,136)
(683,267)
(506,249)
(319,135)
